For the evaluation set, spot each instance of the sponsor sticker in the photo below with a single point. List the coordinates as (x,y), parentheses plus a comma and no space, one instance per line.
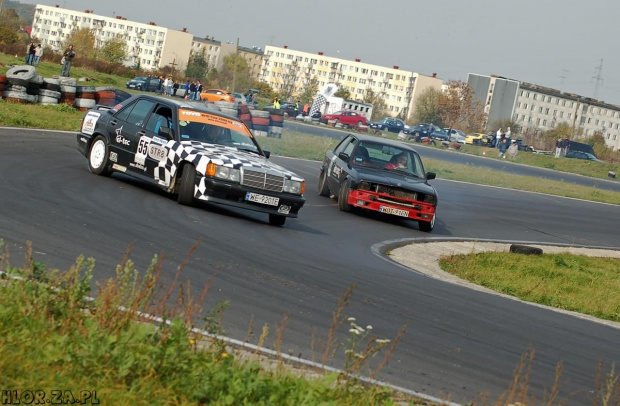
(157,152)
(88,125)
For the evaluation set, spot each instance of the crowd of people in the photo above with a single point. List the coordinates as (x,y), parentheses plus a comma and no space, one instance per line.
(505,145)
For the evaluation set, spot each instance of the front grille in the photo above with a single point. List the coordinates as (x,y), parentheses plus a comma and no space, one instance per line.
(262,180)
(401,193)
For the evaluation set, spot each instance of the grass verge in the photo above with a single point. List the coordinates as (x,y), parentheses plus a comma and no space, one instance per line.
(579,283)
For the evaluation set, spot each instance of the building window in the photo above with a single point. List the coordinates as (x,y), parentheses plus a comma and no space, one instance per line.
(535,96)
(547,111)
(537,121)
(544,123)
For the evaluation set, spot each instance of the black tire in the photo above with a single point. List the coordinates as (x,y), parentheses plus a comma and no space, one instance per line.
(525,249)
(323,188)
(186,188)
(98,157)
(276,220)
(343,195)
(427,226)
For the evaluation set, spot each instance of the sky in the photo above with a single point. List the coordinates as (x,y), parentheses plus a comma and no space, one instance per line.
(568,45)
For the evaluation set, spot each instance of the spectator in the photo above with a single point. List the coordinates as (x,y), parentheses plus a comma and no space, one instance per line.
(558,147)
(192,91)
(503,147)
(498,137)
(67,57)
(30,50)
(175,87)
(38,54)
(565,145)
(513,149)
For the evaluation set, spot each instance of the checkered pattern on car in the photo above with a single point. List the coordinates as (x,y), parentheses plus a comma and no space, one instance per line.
(201,154)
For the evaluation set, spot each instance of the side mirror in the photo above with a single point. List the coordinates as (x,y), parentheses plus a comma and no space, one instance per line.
(267,153)
(166,132)
(430,175)
(343,156)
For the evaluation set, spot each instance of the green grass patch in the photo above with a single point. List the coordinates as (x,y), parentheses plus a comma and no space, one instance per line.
(578,283)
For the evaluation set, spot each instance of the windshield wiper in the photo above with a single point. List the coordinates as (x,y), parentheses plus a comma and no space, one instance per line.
(250,150)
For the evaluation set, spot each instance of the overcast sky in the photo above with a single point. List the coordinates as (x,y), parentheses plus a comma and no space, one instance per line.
(560,44)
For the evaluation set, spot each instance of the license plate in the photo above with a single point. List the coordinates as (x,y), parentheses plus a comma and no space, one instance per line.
(262,199)
(391,210)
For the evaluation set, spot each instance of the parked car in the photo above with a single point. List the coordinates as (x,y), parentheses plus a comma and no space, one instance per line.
(145,83)
(582,155)
(190,151)
(390,124)
(287,107)
(379,175)
(475,138)
(418,132)
(440,134)
(345,117)
(239,98)
(213,95)
(456,135)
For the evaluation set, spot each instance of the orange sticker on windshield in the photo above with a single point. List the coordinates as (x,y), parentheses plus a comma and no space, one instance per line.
(206,118)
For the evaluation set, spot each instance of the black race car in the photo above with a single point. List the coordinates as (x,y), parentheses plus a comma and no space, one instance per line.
(379,175)
(189,150)
(390,124)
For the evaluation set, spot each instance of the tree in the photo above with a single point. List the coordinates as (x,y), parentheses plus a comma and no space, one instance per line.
(287,80)
(342,92)
(83,41)
(427,107)
(197,66)
(459,109)
(113,50)
(10,28)
(310,90)
(234,75)
(377,101)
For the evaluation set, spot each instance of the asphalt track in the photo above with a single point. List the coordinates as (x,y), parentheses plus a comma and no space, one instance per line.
(458,342)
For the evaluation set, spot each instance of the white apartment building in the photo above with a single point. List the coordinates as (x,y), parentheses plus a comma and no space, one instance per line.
(214,50)
(542,108)
(147,44)
(283,67)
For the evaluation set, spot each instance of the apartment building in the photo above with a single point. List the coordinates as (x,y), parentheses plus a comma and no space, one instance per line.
(285,68)
(147,44)
(542,108)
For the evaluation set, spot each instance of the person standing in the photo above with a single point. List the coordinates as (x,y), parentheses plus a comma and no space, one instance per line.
(67,57)
(513,149)
(558,147)
(498,138)
(276,103)
(503,147)
(31,51)
(38,54)
(175,87)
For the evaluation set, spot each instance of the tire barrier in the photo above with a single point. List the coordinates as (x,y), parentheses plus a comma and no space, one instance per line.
(260,121)
(248,123)
(225,104)
(67,89)
(525,249)
(275,132)
(18,97)
(105,97)
(20,74)
(259,113)
(84,103)
(1,87)
(262,128)
(51,84)
(2,79)
(260,133)
(244,116)
(230,112)
(16,88)
(243,109)
(49,93)
(47,100)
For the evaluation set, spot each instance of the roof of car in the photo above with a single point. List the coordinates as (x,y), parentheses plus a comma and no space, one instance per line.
(185,104)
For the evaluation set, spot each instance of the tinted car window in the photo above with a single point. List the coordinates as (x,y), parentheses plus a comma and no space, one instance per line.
(139,112)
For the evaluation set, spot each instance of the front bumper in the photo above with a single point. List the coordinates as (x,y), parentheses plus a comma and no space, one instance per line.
(233,194)
(414,210)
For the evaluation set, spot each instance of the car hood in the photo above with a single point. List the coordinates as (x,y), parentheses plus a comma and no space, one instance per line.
(202,153)
(394,179)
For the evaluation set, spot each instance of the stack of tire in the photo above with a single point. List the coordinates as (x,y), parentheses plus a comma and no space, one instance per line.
(85,97)
(225,107)
(276,122)
(105,95)
(2,82)
(49,92)
(68,87)
(260,122)
(22,84)
(243,113)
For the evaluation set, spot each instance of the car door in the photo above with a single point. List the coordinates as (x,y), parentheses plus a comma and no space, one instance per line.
(396,126)
(152,152)
(125,129)
(337,168)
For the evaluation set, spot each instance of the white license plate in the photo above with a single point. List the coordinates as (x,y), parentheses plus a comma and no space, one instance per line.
(396,212)
(262,199)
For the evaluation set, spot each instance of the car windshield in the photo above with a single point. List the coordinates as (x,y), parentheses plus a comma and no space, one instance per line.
(140,78)
(388,157)
(217,130)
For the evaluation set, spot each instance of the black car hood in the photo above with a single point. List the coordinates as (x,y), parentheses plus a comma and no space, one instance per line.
(394,179)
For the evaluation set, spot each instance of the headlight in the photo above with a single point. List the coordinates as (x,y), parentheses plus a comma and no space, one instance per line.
(231,174)
(364,185)
(294,186)
(429,199)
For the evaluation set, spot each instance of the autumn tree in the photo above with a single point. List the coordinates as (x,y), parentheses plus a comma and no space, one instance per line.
(10,24)
(310,90)
(428,107)
(83,41)
(287,81)
(378,103)
(234,74)
(342,92)
(197,66)
(458,108)
(113,50)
